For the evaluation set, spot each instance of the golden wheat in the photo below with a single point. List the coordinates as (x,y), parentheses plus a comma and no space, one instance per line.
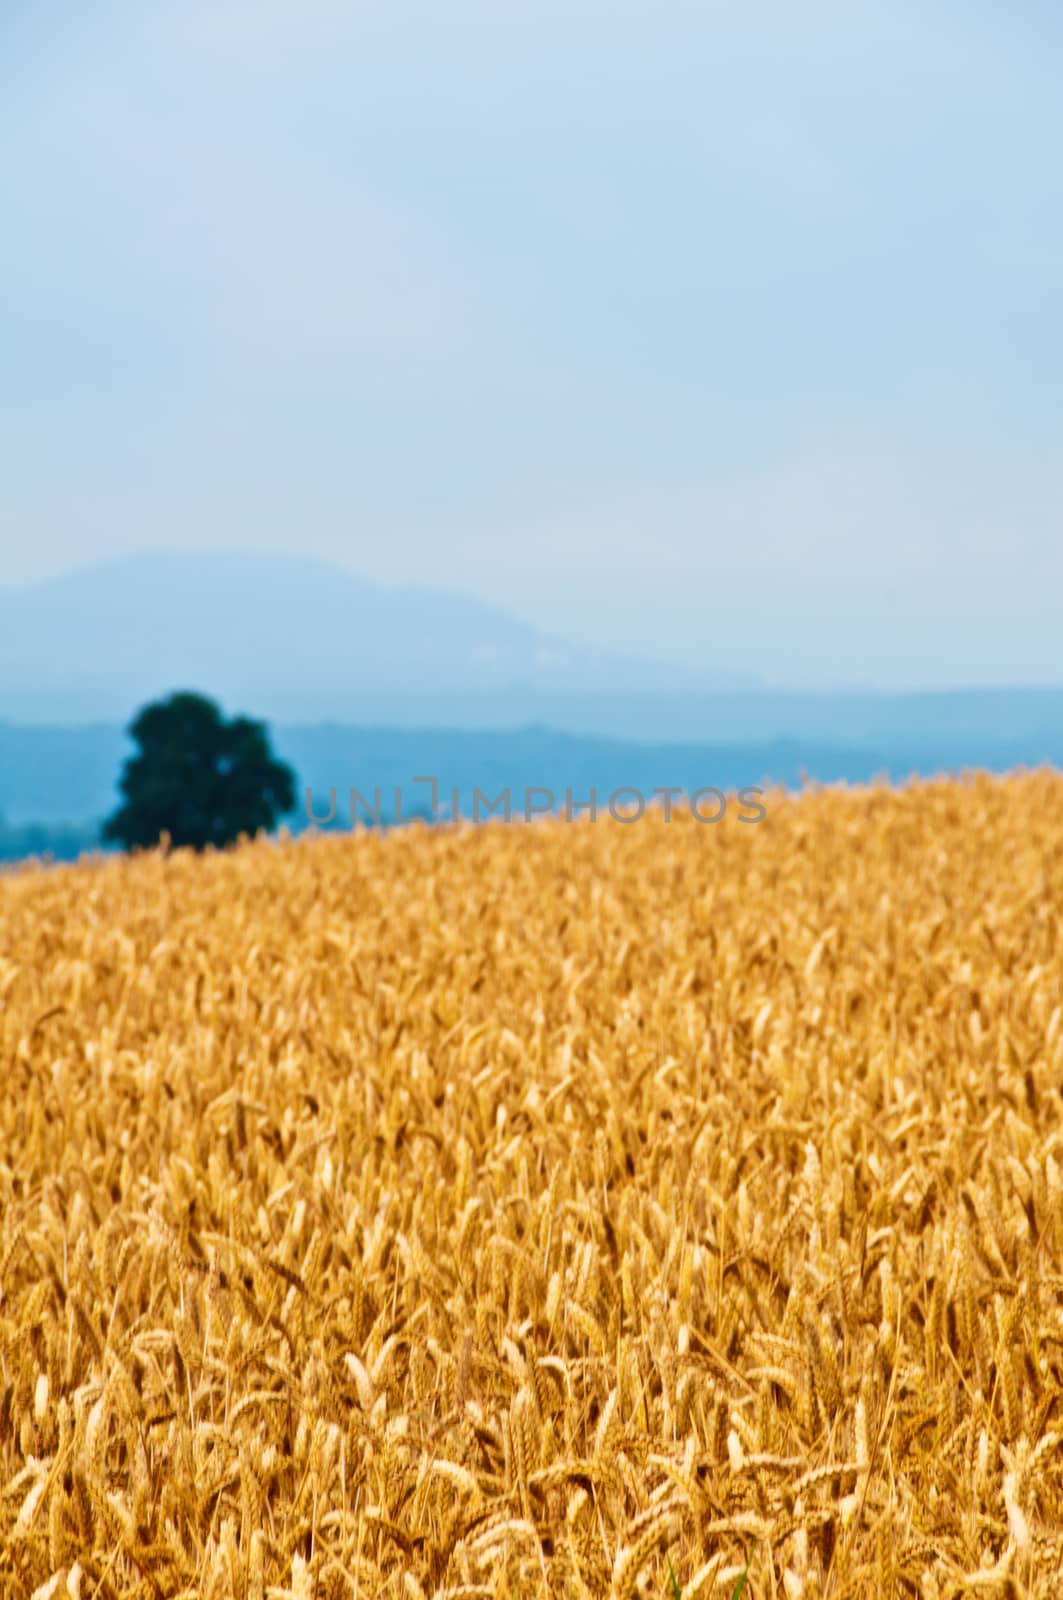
(470,1212)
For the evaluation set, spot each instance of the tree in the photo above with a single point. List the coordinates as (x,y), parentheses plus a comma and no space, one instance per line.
(198,778)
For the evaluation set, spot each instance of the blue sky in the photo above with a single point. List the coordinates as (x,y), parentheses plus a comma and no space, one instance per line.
(624,316)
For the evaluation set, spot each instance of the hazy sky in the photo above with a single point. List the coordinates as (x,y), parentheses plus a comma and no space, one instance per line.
(609,312)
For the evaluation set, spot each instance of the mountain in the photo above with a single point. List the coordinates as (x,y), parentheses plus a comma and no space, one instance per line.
(287,638)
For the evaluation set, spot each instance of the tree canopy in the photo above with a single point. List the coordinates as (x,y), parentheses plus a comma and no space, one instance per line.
(198,778)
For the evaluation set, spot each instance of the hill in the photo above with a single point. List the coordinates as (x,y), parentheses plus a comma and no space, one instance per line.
(298,639)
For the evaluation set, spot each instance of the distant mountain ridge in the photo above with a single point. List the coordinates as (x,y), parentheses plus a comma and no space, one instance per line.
(295,639)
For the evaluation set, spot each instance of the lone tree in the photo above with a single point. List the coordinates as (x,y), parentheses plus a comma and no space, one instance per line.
(198,778)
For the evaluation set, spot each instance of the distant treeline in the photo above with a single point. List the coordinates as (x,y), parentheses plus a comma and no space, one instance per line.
(68,841)
(63,841)
(49,775)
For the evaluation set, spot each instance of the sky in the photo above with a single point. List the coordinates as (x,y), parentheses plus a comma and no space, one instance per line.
(707,329)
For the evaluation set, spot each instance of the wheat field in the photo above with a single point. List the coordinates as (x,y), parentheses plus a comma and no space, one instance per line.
(569,1209)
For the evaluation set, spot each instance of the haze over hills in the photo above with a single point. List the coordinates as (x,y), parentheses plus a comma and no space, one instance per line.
(293,639)
(301,641)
